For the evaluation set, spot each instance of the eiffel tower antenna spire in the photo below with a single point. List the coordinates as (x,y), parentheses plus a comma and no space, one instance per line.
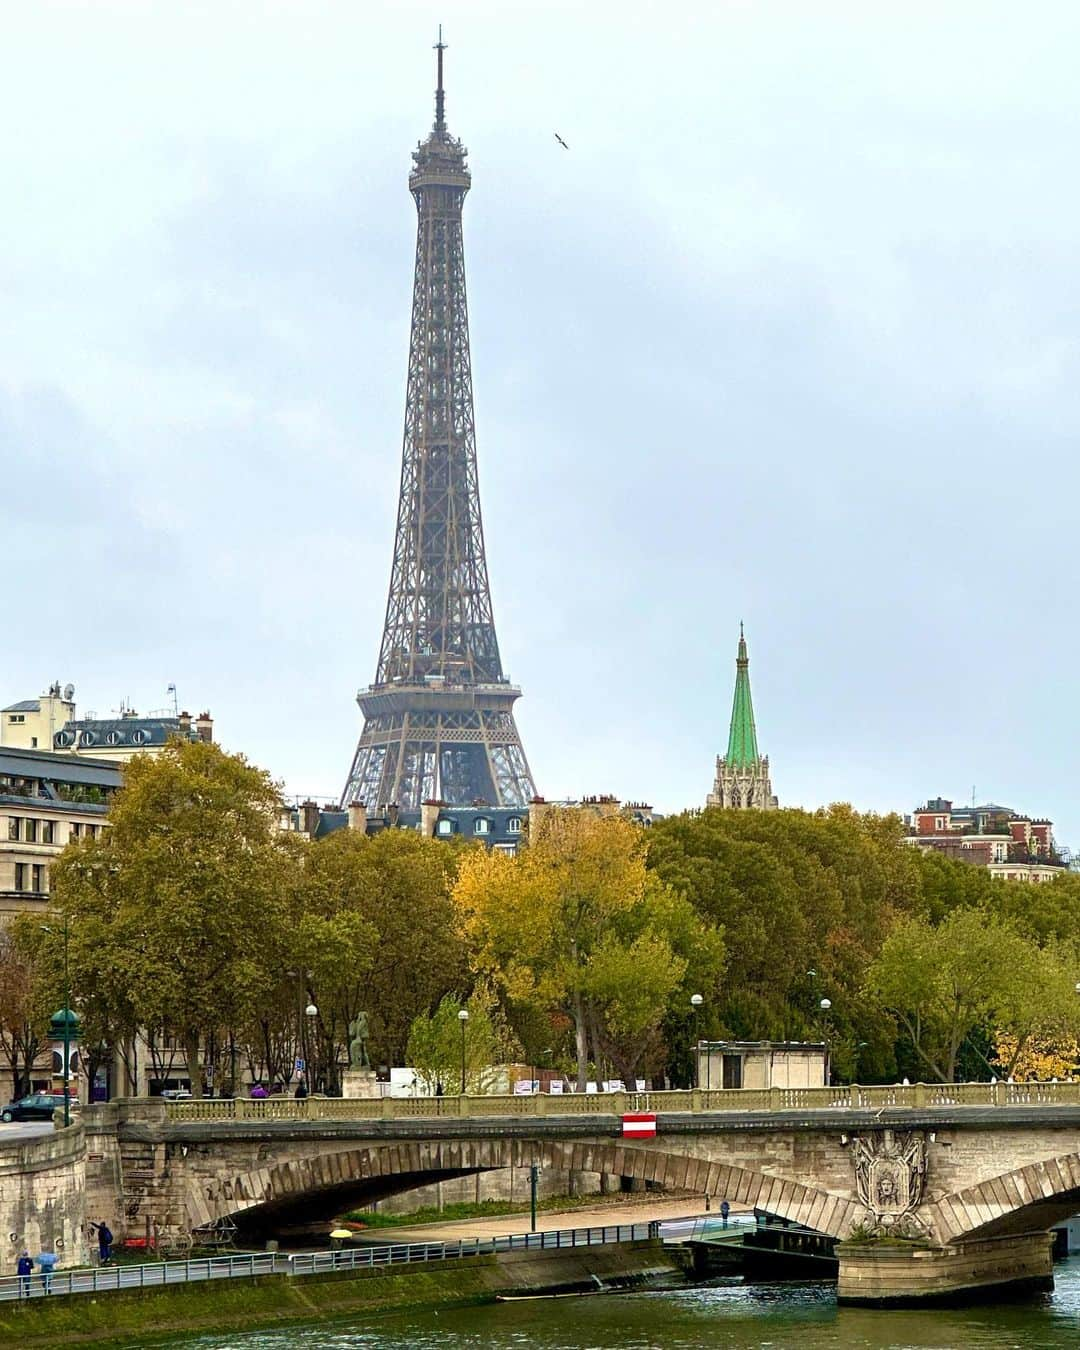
(438,720)
(440,97)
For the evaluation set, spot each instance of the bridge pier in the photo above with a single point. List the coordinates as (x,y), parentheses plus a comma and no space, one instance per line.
(896,1273)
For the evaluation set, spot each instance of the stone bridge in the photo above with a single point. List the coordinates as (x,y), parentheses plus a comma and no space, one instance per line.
(925,1201)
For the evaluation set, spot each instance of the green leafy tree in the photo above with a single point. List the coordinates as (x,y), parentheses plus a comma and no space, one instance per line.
(972,971)
(805,901)
(436,1043)
(376,931)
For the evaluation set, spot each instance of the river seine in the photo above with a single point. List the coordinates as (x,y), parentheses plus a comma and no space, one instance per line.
(731,1315)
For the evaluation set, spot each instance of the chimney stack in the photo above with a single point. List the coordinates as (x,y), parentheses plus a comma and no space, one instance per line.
(309,814)
(204,728)
(358,817)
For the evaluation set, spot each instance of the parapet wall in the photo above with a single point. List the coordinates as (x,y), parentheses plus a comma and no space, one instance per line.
(42,1197)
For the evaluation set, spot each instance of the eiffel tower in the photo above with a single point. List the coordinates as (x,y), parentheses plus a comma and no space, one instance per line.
(439,720)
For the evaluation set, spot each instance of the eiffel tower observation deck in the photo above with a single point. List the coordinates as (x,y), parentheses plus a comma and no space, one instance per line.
(439,721)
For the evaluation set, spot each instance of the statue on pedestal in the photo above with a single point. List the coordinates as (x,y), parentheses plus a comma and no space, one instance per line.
(358,1039)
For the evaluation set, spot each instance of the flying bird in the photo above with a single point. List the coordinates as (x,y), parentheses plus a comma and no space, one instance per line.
(561,141)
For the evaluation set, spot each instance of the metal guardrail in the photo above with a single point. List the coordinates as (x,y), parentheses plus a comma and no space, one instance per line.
(914,1096)
(102,1279)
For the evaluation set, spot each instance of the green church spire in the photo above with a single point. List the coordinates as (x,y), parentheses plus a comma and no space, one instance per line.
(742,751)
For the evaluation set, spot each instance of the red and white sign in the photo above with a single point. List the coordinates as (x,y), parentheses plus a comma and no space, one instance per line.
(639,1125)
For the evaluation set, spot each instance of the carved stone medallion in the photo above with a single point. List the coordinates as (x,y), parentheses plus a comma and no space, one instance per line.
(890,1177)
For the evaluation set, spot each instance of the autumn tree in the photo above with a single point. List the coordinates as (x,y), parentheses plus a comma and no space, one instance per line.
(575,923)
(184,897)
(25,999)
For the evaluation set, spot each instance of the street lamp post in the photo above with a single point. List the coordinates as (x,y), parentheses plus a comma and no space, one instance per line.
(310,1013)
(695,1073)
(825,1005)
(67,1024)
(463,1017)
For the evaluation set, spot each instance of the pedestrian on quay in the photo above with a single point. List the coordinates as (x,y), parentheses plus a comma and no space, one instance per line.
(725,1210)
(47,1264)
(301,1088)
(259,1092)
(104,1242)
(24,1267)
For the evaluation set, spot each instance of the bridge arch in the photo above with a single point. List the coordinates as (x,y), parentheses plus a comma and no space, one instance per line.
(326,1183)
(1024,1200)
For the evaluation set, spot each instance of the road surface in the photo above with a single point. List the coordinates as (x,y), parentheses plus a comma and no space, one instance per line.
(21,1130)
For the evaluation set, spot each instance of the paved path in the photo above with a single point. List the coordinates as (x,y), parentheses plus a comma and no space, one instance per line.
(102,1279)
(631,1211)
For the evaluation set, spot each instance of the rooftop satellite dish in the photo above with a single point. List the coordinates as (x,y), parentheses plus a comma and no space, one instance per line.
(69,692)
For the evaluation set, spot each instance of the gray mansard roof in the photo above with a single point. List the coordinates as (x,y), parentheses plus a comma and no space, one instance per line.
(139,732)
(61,780)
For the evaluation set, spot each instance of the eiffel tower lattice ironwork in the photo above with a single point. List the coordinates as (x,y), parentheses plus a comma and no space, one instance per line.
(439,721)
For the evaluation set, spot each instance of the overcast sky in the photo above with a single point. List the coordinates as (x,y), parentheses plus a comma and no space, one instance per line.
(788,335)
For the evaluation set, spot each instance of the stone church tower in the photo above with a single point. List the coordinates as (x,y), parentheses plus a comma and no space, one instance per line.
(742,775)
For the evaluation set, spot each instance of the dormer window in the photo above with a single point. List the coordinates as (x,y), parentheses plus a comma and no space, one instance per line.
(444,827)
(513,825)
(482,826)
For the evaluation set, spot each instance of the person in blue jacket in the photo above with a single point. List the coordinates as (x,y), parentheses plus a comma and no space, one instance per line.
(47,1264)
(24,1268)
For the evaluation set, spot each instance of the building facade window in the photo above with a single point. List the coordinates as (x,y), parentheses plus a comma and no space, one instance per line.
(39,878)
(48,832)
(30,832)
(482,826)
(16,719)
(14,827)
(75,831)
(513,825)
(444,827)
(20,876)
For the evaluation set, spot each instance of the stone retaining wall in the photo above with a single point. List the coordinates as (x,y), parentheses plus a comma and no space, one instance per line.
(42,1198)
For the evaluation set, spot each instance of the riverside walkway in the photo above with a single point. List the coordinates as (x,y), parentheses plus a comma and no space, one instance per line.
(684,1212)
(153,1275)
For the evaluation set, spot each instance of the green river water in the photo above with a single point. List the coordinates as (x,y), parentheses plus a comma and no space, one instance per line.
(726,1315)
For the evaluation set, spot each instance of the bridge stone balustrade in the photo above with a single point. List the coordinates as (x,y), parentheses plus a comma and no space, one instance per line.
(849,1096)
(931,1190)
